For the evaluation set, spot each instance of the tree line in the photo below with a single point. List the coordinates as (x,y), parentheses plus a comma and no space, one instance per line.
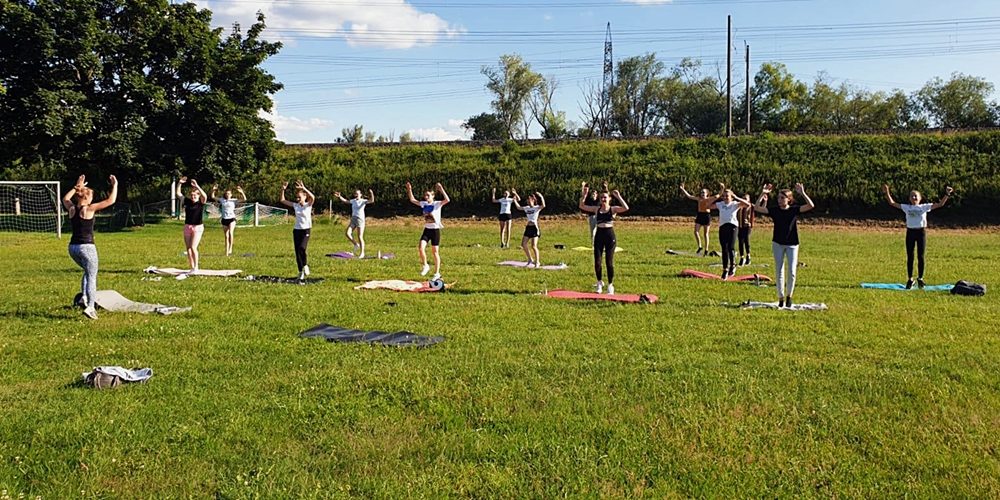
(649,99)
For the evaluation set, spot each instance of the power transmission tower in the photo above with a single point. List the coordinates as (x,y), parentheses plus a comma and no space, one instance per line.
(609,82)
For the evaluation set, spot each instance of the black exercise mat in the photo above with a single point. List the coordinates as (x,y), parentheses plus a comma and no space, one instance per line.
(398,339)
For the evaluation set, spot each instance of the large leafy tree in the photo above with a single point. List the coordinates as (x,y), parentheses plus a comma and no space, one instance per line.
(512,82)
(962,101)
(141,88)
(637,96)
(486,127)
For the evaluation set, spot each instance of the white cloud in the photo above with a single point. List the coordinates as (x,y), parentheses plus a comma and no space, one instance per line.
(455,123)
(547,17)
(434,134)
(285,124)
(391,24)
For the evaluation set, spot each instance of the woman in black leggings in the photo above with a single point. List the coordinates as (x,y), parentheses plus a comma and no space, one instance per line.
(916,225)
(604,240)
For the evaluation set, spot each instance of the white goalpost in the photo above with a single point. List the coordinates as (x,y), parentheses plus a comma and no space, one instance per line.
(31,206)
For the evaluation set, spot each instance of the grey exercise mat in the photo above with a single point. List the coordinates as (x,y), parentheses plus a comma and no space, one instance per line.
(399,339)
(113,301)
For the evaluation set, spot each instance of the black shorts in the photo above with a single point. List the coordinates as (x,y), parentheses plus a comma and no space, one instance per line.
(703,218)
(227,222)
(431,235)
(504,217)
(531,231)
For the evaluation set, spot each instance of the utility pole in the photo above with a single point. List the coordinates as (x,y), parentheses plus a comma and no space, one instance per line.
(748,86)
(729,76)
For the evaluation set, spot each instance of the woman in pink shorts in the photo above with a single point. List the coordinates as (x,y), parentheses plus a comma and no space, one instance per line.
(194,211)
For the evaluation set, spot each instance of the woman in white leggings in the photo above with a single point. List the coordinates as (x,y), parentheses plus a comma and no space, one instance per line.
(785,241)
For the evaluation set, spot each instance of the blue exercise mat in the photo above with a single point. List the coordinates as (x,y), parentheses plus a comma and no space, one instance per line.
(902,287)
(399,339)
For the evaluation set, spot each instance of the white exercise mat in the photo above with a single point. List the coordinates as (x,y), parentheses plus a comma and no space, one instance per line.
(173,271)
(113,301)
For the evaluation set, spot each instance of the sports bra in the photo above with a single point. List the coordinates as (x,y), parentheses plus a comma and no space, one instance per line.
(83,229)
(605,217)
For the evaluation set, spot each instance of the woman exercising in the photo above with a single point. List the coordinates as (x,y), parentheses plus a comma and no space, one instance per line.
(785,239)
(432,226)
(916,225)
(81,210)
(604,240)
(504,216)
(358,204)
(227,211)
(704,218)
(194,213)
(729,206)
(302,206)
(529,242)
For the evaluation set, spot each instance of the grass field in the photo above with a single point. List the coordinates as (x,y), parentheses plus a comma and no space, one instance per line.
(885,394)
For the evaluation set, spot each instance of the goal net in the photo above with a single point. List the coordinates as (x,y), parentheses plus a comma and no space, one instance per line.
(30,207)
(247,214)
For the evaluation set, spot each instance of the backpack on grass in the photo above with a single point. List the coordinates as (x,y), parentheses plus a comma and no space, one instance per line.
(963,287)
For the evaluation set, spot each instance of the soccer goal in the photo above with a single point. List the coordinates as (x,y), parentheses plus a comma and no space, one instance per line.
(31,206)
(251,214)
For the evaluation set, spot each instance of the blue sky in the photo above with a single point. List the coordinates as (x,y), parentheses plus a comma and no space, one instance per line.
(398,66)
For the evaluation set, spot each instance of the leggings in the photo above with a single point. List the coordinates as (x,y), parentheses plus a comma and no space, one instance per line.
(781,254)
(301,239)
(744,237)
(727,237)
(605,242)
(86,257)
(918,238)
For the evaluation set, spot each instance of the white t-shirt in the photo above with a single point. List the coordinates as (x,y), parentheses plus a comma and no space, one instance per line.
(505,204)
(728,213)
(358,207)
(432,214)
(227,208)
(303,216)
(916,215)
(531,212)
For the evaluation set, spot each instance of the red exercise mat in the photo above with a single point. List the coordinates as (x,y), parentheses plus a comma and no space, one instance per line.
(624,297)
(691,273)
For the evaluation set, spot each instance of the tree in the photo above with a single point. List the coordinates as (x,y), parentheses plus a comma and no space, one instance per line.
(140,89)
(511,83)
(691,102)
(553,122)
(405,137)
(486,127)
(352,135)
(962,101)
(636,98)
(777,98)
(591,111)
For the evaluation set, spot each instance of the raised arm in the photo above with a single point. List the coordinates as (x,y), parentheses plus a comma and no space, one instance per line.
(371,196)
(183,179)
(336,194)
(494,196)
(744,202)
(944,199)
(888,196)
(111,199)
(284,187)
(622,206)
(761,206)
(583,198)
(444,195)
(409,194)
(715,198)
(239,190)
(68,199)
(517,200)
(809,203)
(215,190)
(687,194)
(541,200)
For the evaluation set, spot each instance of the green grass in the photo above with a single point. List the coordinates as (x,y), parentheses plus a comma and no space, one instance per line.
(885,394)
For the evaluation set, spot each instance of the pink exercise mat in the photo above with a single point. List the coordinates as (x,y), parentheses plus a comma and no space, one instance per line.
(623,297)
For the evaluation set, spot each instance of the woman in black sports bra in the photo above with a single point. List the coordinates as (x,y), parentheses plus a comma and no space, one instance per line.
(79,204)
(605,241)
